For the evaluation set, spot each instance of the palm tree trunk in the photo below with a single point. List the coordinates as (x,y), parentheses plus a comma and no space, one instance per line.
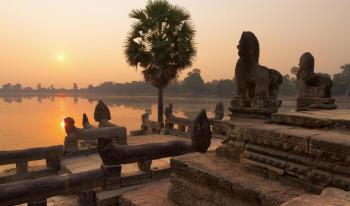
(160,105)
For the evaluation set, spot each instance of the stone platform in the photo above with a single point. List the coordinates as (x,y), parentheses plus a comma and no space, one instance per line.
(253,108)
(332,119)
(312,159)
(150,194)
(206,179)
(292,160)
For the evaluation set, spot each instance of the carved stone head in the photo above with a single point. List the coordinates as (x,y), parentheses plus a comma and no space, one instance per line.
(307,63)
(201,134)
(69,125)
(101,112)
(249,46)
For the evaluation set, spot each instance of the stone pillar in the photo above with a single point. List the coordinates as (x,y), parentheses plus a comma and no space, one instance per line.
(21,167)
(112,175)
(182,128)
(53,163)
(70,144)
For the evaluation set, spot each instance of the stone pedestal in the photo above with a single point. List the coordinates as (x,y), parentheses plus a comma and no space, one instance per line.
(254,108)
(314,103)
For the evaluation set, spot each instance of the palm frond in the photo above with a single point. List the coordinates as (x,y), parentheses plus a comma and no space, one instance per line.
(161,41)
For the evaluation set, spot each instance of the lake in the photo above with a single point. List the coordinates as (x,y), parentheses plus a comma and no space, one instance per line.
(37,121)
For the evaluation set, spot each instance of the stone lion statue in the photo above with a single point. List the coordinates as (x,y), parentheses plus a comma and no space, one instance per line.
(312,84)
(254,81)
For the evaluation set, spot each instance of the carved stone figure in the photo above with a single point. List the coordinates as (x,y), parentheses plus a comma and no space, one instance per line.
(254,80)
(219,111)
(314,88)
(311,84)
(257,85)
(102,112)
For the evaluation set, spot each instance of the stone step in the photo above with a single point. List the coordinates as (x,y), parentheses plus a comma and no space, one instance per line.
(150,194)
(338,118)
(206,179)
(314,158)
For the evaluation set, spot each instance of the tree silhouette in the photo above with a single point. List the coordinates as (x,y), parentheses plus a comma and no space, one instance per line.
(194,82)
(161,42)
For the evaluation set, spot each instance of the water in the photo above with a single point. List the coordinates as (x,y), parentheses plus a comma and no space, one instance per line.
(37,121)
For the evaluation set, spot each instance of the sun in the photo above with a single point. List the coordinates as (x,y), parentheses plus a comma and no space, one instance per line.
(62,124)
(60,57)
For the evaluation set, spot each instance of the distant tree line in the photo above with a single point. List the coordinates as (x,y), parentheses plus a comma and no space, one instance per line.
(192,84)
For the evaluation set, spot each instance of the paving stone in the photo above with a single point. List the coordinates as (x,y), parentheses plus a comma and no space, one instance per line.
(150,194)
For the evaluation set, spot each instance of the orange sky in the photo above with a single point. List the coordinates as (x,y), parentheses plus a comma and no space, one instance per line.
(90,35)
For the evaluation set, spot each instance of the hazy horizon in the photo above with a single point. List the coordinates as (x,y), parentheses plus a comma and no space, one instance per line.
(61,42)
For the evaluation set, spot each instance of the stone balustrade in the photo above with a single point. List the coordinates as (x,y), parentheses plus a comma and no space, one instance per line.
(36,191)
(148,126)
(52,155)
(180,126)
(74,135)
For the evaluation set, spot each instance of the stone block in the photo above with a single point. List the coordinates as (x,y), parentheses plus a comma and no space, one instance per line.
(314,103)
(331,141)
(112,176)
(316,200)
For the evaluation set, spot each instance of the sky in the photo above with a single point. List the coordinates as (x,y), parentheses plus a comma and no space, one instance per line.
(61,42)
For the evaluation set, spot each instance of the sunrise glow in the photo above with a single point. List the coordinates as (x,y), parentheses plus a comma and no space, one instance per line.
(60,57)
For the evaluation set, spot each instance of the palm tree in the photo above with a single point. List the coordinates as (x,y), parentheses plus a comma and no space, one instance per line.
(161,42)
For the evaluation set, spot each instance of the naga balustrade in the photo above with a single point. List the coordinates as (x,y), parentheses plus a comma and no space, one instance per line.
(89,134)
(109,175)
(185,125)
(52,155)
(148,126)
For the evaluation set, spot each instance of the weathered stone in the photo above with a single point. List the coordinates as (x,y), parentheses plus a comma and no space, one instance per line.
(314,89)
(257,86)
(231,150)
(332,142)
(315,200)
(336,193)
(338,119)
(207,177)
(313,103)
(150,194)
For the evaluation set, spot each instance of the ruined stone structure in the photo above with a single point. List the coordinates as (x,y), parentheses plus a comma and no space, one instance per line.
(295,158)
(314,89)
(257,85)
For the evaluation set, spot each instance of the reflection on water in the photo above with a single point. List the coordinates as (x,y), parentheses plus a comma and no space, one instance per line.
(37,121)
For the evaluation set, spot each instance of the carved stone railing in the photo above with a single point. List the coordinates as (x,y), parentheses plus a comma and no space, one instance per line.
(180,126)
(52,155)
(74,134)
(148,126)
(109,176)
(89,134)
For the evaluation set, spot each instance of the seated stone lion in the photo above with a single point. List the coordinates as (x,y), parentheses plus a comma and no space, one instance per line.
(254,81)
(312,84)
